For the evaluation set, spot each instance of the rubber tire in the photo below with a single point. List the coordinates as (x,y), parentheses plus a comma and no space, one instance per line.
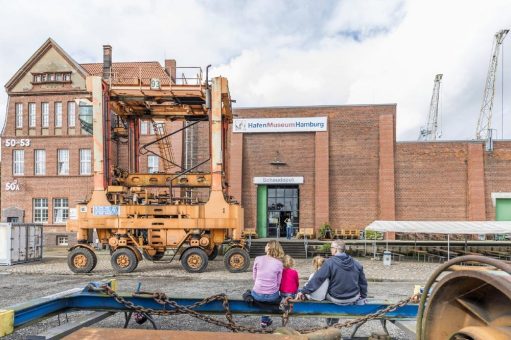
(92,260)
(236,251)
(213,254)
(194,251)
(156,257)
(131,256)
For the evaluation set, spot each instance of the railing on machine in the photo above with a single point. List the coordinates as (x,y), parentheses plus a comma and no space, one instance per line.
(188,75)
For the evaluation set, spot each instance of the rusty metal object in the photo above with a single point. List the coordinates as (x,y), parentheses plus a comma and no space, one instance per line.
(129,334)
(80,261)
(123,261)
(142,211)
(194,261)
(467,304)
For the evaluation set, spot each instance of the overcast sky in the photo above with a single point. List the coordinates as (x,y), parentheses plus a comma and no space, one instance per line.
(287,53)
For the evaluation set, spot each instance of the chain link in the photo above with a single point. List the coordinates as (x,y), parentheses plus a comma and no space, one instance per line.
(286,306)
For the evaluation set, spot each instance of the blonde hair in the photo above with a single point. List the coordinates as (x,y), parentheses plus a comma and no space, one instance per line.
(288,261)
(317,262)
(274,249)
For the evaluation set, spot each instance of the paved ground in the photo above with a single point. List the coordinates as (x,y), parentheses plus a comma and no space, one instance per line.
(23,282)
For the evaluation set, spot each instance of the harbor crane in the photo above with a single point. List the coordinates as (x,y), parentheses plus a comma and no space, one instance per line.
(430,131)
(483,131)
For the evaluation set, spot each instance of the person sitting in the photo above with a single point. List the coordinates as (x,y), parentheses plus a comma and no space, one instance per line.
(348,284)
(290,282)
(267,275)
(320,293)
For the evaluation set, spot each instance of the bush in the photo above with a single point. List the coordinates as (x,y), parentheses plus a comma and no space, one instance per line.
(373,235)
(325,248)
(325,228)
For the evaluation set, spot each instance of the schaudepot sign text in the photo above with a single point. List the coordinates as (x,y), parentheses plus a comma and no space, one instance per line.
(278,180)
(302,124)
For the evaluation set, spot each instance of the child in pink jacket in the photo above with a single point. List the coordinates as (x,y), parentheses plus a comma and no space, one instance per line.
(289,282)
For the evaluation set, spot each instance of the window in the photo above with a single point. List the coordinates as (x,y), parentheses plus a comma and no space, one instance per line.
(62,240)
(40,210)
(39,162)
(31,115)
(283,203)
(58,114)
(85,162)
(71,114)
(152,164)
(143,127)
(160,127)
(63,162)
(51,77)
(18,165)
(19,115)
(60,210)
(45,115)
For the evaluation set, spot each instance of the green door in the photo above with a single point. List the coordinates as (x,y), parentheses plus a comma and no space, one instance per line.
(262,207)
(503,209)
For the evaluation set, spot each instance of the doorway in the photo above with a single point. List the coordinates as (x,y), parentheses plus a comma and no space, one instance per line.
(283,203)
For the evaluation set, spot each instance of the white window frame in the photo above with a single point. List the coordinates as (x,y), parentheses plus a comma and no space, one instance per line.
(45,115)
(143,127)
(153,163)
(62,240)
(63,162)
(32,111)
(19,115)
(60,210)
(40,207)
(39,162)
(18,162)
(58,114)
(85,162)
(71,114)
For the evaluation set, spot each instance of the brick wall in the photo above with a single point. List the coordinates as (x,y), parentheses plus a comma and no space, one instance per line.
(431,181)
(497,167)
(354,165)
(353,162)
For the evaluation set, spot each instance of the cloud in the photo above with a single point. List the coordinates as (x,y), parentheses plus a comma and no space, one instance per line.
(288,52)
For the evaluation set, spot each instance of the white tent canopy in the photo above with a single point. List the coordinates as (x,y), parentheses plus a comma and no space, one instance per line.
(442,227)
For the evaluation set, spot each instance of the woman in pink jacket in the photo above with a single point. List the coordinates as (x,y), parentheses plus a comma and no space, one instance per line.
(267,274)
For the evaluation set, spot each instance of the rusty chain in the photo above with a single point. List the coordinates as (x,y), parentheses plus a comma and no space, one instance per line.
(286,305)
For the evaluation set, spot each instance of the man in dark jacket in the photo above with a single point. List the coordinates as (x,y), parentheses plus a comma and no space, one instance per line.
(348,284)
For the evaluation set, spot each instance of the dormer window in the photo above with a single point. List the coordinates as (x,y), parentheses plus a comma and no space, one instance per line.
(51,77)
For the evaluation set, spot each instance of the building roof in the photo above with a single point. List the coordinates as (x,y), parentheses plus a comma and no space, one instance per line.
(48,44)
(442,227)
(129,73)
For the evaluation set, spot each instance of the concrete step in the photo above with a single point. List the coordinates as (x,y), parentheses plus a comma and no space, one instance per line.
(292,248)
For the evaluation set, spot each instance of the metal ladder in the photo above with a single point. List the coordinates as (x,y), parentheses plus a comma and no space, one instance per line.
(164,145)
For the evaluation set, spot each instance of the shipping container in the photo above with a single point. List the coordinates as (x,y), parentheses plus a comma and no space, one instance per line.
(20,243)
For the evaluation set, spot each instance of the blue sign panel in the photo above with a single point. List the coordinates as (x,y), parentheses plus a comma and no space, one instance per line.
(108,210)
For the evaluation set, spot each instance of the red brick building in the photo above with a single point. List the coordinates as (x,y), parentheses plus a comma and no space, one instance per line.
(349,171)
(46,149)
(355,172)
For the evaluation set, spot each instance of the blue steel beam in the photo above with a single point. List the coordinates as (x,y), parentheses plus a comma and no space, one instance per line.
(77,299)
(93,301)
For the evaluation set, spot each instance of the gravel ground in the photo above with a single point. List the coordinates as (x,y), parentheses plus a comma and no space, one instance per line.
(28,281)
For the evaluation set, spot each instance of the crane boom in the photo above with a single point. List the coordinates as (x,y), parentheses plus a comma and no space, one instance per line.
(485,115)
(430,131)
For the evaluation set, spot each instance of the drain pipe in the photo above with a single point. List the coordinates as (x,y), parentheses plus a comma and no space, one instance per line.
(208,90)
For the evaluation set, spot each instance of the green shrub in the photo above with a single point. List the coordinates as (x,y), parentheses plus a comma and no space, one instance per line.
(324,229)
(325,248)
(373,235)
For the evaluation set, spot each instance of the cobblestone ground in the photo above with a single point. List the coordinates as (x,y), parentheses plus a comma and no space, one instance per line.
(20,283)
(55,263)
